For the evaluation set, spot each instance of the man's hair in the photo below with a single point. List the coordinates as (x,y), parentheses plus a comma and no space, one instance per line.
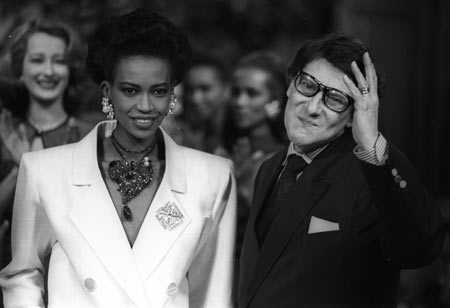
(340,50)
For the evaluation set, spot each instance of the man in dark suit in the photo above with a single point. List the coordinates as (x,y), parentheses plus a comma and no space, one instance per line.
(341,211)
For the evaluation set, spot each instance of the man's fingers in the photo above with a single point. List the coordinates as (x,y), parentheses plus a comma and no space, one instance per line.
(371,73)
(362,82)
(354,91)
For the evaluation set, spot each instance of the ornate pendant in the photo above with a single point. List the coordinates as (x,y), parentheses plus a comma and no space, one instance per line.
(127,214)
(132,177)
(169,216)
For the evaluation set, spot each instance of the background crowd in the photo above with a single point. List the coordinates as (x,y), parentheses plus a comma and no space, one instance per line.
(232,99)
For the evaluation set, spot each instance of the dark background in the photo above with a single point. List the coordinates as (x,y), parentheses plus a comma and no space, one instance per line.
(409,40)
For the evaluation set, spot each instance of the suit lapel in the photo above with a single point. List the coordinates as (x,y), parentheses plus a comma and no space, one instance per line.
(305,193)
(287,221)
(265,181)
(154,241)
(96,218)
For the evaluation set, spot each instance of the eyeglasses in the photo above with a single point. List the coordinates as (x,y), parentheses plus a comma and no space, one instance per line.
(334,99)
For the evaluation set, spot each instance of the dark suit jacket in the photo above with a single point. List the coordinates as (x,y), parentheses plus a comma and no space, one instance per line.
(383,227)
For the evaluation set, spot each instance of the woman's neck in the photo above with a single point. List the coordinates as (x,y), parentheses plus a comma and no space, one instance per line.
(112,151)
(131,143)
(45,117)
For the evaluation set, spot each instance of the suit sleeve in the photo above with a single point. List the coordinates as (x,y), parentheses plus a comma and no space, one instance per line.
(210,274)
(22,280)
(412,227)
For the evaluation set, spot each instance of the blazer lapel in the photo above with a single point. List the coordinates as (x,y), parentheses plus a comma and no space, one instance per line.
(96,218)
(154,241)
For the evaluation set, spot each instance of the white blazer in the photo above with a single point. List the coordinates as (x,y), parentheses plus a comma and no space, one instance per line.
(63,211)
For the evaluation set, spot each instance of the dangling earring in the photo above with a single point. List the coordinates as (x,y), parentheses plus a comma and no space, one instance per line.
(107,108)
(173,101)
(272,109)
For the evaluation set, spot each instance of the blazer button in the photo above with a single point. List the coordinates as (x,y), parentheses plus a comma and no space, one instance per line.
(397,179)
(402,184)
(89,284)
(172,289)
(394,172)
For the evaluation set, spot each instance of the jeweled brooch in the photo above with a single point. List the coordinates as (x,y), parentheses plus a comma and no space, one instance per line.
(169,216)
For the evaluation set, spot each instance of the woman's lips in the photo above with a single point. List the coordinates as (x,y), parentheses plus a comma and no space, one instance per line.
(144,122)
(48,84)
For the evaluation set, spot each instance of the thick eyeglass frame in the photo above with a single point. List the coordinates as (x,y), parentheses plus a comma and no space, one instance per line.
(324,89)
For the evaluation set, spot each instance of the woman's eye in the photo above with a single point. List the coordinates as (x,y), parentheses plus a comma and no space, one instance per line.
(129,91)
(61,61)
(252,92)
(160,92)
(36,60)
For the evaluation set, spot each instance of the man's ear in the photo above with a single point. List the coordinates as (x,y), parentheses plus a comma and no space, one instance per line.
(106,88)
(290,89)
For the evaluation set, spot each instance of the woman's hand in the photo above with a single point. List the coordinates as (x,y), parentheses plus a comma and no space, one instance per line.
(365,115)
(14,140)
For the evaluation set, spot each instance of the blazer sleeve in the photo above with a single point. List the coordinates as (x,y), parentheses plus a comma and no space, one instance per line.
(412,228)
(210,274)
(22,280)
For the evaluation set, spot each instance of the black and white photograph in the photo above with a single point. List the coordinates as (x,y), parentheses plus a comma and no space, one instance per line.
(224,154)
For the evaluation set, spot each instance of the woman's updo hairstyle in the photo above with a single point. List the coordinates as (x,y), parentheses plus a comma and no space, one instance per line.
(139,32)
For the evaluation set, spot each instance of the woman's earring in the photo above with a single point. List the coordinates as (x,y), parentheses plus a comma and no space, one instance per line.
(107,108)
(272,109)
(173,101)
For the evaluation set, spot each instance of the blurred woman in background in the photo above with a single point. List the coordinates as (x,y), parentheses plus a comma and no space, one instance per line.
(256,116)
(38,107)
(206,99)
(254,128)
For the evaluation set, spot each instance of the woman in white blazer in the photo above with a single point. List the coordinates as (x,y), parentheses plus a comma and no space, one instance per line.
(125,217)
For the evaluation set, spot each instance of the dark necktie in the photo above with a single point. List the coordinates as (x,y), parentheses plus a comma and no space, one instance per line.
(295,165)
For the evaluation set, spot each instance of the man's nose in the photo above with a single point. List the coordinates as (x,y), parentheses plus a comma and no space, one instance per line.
(314,105)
